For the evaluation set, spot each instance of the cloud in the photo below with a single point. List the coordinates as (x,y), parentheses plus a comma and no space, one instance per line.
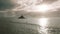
(49,1)
(6,4)
(21,4)
(55,6)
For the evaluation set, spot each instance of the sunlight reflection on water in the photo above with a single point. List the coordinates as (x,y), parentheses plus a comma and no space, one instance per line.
(44,26)
(43,22)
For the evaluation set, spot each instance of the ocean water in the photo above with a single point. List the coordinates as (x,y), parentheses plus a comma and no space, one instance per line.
(11,25)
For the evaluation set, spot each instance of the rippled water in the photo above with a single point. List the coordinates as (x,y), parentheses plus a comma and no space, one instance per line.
(42,25)
(49,25)
(30,26)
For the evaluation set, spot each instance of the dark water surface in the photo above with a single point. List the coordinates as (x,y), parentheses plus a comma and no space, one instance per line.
(11,25)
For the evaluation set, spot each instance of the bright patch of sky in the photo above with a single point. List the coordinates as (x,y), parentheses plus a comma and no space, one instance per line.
(28,5)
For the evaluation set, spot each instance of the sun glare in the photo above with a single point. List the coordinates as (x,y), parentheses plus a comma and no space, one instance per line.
(31,6)
(41,8)
(43,22)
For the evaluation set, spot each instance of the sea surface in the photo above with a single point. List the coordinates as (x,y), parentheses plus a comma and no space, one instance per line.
(11,25)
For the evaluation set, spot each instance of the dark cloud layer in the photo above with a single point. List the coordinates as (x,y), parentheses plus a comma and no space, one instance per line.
(6,4)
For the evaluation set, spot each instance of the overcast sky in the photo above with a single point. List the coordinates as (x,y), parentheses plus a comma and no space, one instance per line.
(8,4)
(25,5)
